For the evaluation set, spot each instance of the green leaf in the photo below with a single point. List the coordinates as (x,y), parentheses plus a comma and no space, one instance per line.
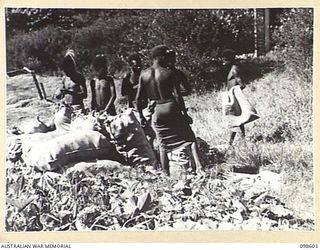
(144,202)
(22,202)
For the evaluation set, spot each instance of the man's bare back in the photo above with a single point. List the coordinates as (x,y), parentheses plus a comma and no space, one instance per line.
(158,83)
(161,83)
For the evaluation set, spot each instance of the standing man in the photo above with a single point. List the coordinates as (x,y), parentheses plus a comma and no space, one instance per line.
(159,84)
(131,80)
(231,74)
(182,81)
(171,62)
(129,88)
(102,87)
(73,89)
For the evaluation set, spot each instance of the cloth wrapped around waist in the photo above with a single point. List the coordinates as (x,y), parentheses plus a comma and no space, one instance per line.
(171,127)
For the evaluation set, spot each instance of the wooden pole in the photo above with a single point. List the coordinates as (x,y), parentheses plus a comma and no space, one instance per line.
(43,91)
(35,81)
(267,29)
(255,32)
(37,85)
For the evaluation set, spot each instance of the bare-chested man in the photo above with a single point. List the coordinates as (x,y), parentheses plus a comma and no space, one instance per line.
(158,83)
(171,62)
(103,89)
(74,88)
(182,81)
(131,80)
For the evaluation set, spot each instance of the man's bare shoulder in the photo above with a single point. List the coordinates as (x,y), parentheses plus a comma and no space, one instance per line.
(109,78)
(235,67)
(235,70)
(147,73)
(151,72)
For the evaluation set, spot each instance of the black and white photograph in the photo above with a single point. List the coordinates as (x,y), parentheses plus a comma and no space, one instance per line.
(159,119)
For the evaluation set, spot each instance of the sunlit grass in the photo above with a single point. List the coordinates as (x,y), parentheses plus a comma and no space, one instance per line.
(281,140)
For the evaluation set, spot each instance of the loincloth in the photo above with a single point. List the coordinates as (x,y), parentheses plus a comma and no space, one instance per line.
(171,128)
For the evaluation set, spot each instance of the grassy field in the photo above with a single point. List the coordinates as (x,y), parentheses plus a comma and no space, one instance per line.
(281,141)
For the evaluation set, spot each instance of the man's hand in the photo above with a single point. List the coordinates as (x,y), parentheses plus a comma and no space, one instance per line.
(228,108)
(65,91)
(200,172)
(102,113)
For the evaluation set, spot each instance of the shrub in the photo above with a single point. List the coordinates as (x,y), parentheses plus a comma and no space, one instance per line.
(198,36)
(294,42)
(41,50)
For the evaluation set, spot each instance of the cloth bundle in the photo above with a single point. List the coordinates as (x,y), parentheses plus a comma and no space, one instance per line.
(62,119)
(237,108)
(48,154)
(18,144)
(129,138)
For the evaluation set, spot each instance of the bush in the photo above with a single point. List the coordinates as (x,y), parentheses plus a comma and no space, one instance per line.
(41,50)
(294,42)
(198,36)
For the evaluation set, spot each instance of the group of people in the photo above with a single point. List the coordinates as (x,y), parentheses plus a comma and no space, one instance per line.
(73,90)
(159,87)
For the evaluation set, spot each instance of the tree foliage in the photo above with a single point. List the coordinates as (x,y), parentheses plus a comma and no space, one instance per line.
(37,38)
(294,42)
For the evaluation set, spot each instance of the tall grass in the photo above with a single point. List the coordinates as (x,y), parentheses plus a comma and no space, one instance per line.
(281,140)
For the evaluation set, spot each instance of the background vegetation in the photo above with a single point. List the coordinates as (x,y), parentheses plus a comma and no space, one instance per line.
(38,38)
(279,85)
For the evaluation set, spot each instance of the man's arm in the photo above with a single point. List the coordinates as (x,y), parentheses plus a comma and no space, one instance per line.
(185,83)
(82,93)
(93,95)
(179,98)
(139,100)
(181,103)
(59,94)
(125,85)
(83,88)
(112,91)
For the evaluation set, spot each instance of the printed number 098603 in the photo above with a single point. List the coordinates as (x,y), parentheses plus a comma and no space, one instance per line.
(308,245)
